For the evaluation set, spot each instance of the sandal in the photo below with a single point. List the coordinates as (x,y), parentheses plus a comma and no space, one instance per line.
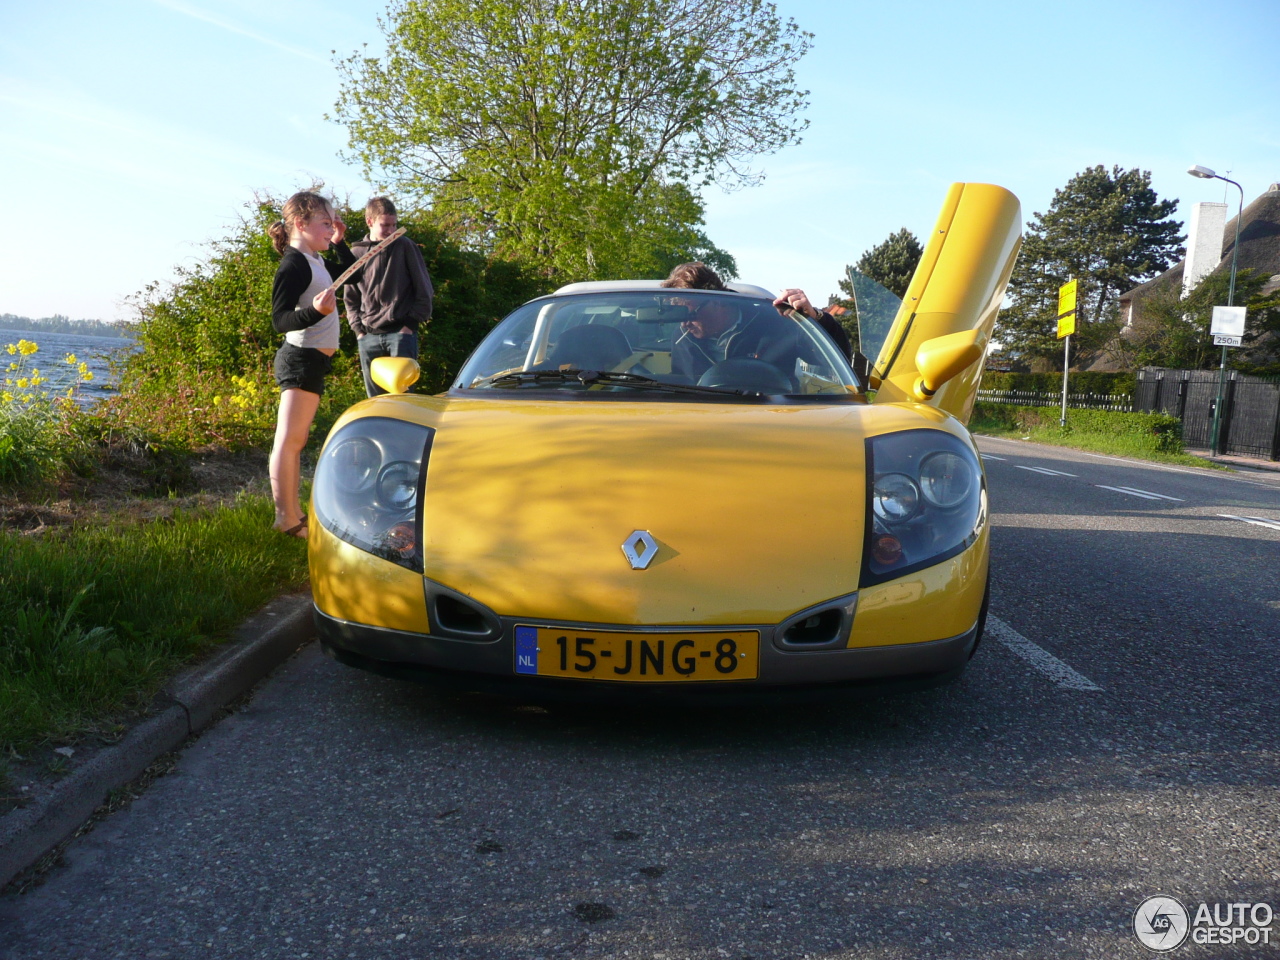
(293,531)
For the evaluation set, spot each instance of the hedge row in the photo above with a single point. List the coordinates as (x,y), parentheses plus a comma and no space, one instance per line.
(1078,382)
(1157,432)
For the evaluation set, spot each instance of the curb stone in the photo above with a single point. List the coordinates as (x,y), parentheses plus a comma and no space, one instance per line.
(194,697)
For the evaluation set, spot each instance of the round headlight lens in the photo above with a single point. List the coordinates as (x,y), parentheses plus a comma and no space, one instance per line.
(398,485)
(355,464)
(895,497)
(946,479)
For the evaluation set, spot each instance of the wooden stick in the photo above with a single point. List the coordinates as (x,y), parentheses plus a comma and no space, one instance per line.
(373,252)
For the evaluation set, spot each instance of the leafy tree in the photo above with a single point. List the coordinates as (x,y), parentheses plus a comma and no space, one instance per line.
(890,264)
(1172,331)
(573,135)
(1108,230)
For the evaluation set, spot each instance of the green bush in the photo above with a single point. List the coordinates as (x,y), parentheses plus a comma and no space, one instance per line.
(1130,433)
(42,436)
(1081,381)
(31,451)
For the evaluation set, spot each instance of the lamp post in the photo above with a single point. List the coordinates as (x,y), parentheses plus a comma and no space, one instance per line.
(1204,173)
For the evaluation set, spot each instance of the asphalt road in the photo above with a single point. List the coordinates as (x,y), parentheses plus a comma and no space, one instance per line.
(1115,737)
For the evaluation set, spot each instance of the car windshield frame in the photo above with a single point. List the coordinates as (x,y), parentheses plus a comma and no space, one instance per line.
(748,351)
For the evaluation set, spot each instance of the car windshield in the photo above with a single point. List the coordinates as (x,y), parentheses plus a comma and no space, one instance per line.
(659,344)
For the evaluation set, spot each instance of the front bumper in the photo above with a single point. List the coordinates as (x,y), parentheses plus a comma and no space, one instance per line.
(490,666)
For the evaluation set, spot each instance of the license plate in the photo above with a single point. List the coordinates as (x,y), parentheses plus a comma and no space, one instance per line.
(637,657)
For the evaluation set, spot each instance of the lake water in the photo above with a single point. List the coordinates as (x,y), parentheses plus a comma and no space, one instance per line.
(54,347)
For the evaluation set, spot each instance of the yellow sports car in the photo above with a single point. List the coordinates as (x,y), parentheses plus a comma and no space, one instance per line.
(599,506)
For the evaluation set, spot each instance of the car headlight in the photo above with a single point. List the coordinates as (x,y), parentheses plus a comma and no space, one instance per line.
(369,486)
(927,502)
(895,497)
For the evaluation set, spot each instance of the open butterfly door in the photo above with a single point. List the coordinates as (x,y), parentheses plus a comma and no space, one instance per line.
(937,345)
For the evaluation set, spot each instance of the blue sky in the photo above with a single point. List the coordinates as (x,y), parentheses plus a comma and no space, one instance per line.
(134,131)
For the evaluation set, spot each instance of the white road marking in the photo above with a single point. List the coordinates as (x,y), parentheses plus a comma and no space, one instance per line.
(988,456)
(1147,464)
(1256,521)
(1135,492)
(1150,493)
(1144,496)
(1040,658)
(1045,470)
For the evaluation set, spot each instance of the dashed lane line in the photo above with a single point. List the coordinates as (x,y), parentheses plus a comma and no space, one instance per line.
(1039,658)
(1045,470)
(1256,521)
(1149,465)
(1135,492)
(988,456)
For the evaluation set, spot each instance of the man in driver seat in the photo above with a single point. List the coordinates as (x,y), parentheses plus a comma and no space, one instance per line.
(717,330)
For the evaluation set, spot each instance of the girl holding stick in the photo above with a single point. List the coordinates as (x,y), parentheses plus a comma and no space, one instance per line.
(304,309)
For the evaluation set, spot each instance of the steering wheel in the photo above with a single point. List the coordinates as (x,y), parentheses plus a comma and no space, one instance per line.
(756,376)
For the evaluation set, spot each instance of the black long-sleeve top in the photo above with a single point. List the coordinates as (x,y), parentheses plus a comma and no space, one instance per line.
(293,276)
(839,336)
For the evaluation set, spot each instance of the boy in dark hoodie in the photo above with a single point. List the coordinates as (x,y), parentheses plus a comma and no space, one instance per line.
(390,298)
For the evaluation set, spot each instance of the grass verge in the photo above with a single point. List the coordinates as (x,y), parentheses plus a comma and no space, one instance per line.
(1143,436)
(95,618)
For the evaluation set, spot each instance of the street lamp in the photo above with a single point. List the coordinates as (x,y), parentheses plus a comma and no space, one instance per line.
(1204,173)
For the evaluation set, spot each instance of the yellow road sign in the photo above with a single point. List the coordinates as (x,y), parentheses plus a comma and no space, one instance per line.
(1067,309)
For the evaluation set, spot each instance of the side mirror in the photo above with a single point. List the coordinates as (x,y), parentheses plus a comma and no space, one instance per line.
(395,374)
(942,358)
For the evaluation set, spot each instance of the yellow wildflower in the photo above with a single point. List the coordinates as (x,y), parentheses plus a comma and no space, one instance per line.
(23,383)
(11,347)
(217,401)
(27,347)
(71,359)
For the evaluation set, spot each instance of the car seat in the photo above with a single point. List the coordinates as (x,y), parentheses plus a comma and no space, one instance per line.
(590,347)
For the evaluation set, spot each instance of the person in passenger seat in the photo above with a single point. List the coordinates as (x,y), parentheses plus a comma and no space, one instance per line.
(795,299)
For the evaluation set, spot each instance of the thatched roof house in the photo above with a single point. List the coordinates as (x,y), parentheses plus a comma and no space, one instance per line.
(1259,250)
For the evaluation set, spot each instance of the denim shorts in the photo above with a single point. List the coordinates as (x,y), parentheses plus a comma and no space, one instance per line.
(301,368)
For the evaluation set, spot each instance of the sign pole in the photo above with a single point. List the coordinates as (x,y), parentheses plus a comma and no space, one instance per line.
(1066,364)
(1217,404)
(1225,324)
(1066,327)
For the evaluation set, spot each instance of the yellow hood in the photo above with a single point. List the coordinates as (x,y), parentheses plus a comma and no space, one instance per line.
(758,510)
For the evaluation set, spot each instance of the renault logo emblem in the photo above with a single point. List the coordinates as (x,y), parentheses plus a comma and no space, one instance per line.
(640,548)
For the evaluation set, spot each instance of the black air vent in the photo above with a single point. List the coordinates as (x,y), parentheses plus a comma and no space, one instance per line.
(818,628)
(458,616)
